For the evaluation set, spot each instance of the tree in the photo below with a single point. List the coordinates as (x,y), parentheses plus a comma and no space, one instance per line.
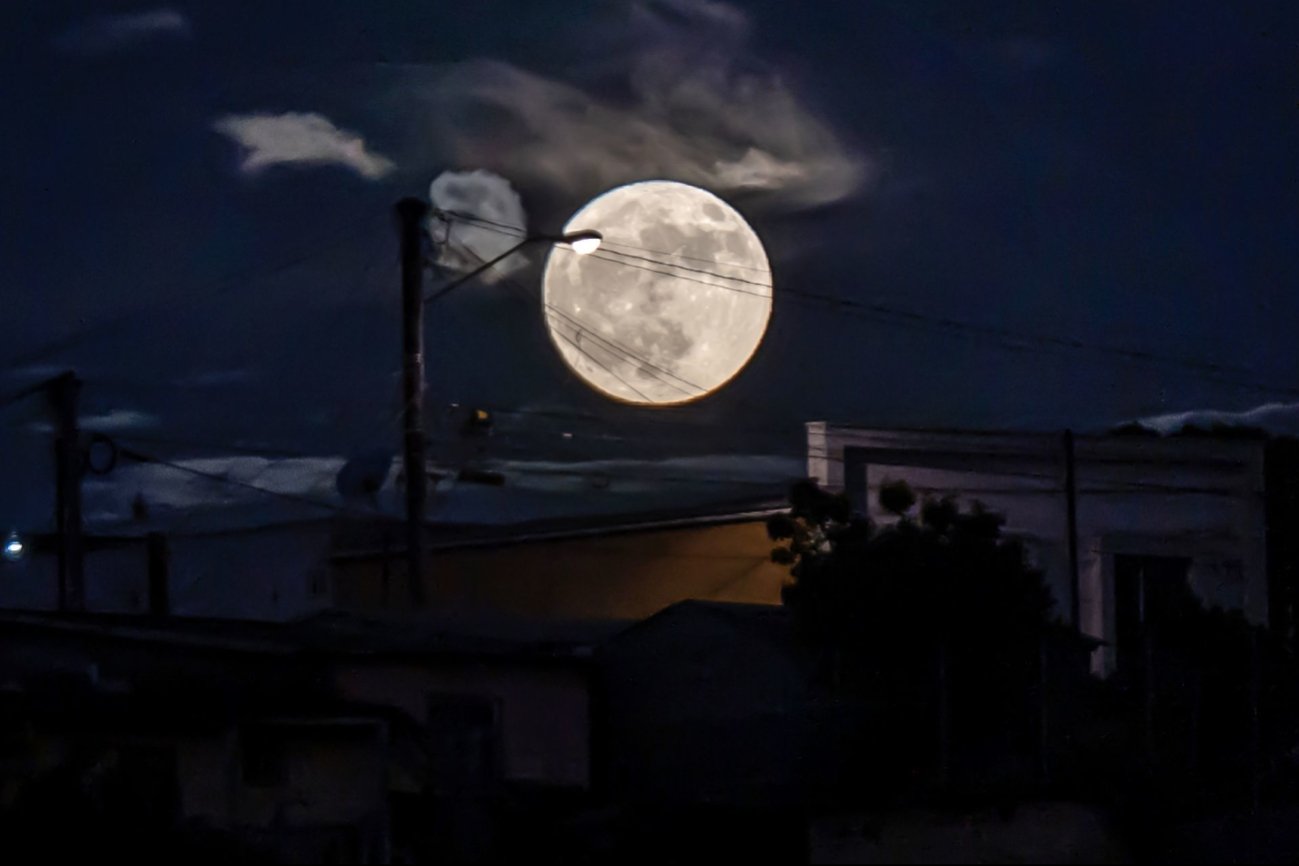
(866,592)
(932,623)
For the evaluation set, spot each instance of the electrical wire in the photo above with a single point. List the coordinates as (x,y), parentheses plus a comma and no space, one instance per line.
(607,240)
(645,364)
(602,366)
(141,457)
(997,333)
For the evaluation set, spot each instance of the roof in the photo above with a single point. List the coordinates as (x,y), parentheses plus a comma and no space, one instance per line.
(768,622)
(360,540)
(335,634)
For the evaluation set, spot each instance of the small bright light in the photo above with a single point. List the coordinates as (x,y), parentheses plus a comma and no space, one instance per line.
(14,548)
(584,243)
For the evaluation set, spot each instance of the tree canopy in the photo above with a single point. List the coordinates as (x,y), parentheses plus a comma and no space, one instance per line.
(941,573)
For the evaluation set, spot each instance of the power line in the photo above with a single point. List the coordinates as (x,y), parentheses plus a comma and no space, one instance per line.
(999,334)
(591,474)
(599,364)
(141,457)
(739,291)
(760,285)
(581,327)
(607,241)
(1121,485)
(626,354)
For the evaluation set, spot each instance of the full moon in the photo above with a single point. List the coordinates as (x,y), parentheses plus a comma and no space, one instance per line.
(673,303)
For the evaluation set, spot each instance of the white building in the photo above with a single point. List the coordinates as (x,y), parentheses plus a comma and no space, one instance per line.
(1149,510)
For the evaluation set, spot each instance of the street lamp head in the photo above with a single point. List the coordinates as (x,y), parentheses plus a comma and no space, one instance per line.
(13,549)
(584,242)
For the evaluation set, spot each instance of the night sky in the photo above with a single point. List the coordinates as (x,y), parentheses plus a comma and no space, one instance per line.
(198,221)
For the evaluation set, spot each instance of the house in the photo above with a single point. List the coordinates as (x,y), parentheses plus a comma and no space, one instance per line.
(1144,514)
(334,736)
(706,703)
(625,568)
(613,567)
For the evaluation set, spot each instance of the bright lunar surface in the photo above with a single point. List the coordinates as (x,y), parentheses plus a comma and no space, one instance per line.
(672,304)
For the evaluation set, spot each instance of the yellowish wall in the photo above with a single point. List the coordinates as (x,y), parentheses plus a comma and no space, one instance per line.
(628,575)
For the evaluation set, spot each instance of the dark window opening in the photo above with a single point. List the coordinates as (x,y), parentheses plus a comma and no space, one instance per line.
(465,742)
(1152,595)
(263,757)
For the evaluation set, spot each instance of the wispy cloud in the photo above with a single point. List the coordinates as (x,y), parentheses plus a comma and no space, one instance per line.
(210,492)
(300,138)
(113,421)
(214,378)
(1278,419)
(682,95)
(102,34)
(486,196)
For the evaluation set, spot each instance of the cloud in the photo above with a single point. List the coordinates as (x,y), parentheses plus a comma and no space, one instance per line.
(113,421)
(489,197)
(221,498)
(103,34)
(300,138)
(214,378)
(693,103)
(1277,419)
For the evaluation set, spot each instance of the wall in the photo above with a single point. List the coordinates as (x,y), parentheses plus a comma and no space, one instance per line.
(545,712)
(332,791)
(624,575)
(278,573)
(275,573)
(117,580)
(703,708)
(1197,498)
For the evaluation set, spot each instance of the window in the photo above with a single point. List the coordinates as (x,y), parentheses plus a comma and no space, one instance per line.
(1151,593)
(464,740)
(264,760)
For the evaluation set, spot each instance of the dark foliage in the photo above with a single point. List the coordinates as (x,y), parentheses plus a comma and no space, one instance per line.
(866,592)
(932,626)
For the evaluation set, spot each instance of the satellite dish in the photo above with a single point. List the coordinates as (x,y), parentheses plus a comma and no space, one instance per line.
(363,476)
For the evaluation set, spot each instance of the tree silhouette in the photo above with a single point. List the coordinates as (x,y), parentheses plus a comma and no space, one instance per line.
(869,594)
(931,623)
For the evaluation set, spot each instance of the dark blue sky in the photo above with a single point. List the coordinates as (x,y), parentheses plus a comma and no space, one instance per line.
(1122,175)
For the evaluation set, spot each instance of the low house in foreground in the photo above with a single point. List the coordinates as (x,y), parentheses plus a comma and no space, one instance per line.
(330,737)
(1147,513)
(356,739)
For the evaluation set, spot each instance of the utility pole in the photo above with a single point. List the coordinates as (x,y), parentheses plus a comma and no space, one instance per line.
(410,218)
(1071,517)
(64,391)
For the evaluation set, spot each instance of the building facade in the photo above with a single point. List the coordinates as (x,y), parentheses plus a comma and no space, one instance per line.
(1136,513)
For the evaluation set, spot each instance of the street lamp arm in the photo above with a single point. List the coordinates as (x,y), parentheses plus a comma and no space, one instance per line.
(582,243)
(464,278)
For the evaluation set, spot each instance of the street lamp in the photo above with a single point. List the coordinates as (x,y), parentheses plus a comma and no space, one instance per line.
(582,242)
(14,549)
(410,216)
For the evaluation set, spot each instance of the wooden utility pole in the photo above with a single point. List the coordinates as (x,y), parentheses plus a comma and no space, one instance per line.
(159,581)
(410,218)
(1071,518)
(64,391)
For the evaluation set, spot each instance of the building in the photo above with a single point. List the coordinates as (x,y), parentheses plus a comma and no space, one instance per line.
(618,567)
(1145,512)
(331,739)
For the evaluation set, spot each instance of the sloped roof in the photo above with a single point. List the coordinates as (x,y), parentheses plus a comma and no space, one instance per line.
(335,634)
